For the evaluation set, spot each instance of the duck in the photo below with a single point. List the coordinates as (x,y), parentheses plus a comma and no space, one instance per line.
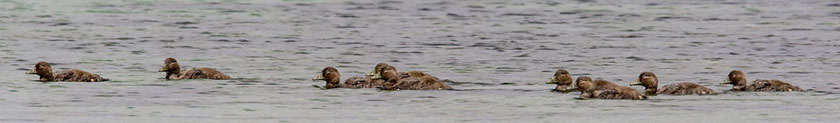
(332,77)
(367,81)
(414,81)
(378,68)
(602,89)
(562,79)
(739,82)
(174,72)
(650,82)
(44,71)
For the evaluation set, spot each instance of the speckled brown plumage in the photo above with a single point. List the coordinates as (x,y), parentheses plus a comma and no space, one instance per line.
(739,81)
(415,80)
(174,72)
(44,71)
(651,83)
(202,73)
(602,89)
(563,79)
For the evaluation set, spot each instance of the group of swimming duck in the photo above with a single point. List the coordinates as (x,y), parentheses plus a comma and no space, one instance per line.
(170,66)
(383,76)
(602,89)
(387,77)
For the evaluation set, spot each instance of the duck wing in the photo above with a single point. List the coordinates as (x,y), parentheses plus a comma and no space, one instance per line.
(771,85)
(75,75)
(684,88)
(210,73)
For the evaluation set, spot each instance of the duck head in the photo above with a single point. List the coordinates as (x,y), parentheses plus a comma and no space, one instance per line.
(171,67)
(331,75)
(43,70)
(736,78)
(563,80)
(388,73)
(583,84)
(376,69)
(649,81)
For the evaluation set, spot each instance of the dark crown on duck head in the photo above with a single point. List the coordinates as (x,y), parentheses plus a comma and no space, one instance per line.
(171,67)
(736,78)
(649,81)
(646,79)
(331,75)
(387,73)
(376,69)
(561,76)
(43,70)
(582,83)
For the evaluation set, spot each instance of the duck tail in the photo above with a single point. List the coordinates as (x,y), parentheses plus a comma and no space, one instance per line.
(105,79)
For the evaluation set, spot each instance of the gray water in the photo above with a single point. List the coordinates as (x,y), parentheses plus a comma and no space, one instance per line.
(499,52)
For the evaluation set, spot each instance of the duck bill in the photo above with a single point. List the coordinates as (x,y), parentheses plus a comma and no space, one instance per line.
(162,69)
(572,88)
(372,73)
(32,72)
(376,76)
(637,82)
(726,81)
(552,80)
(319,77)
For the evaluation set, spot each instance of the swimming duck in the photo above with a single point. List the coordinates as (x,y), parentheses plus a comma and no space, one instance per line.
(44,71)
(376,69)
(563,80)
(602,89)
(739,80)
(415,80)
(333,78)
(173,72)
(367,81)
(650,82)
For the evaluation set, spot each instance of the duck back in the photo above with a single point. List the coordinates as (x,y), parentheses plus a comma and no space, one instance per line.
(419,83)
(203,73)
(620,92)
(75,75)
(608,90)
(771,85)
(363,82)
(684,88)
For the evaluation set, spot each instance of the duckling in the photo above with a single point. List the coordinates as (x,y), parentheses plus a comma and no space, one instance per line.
(367,81)
(739,80)
(376,69)
(44,71)
(602,89)
(650,82)
(173,72)
(394,81)
(562,79)
(333,78)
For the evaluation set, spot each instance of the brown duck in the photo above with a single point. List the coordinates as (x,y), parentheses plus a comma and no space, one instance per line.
(739,80)
(602,89)
(366,81)
(650,82)
(377,71)
(412,80)
(562,79)
(174,72)
(332,76)
(44,71)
